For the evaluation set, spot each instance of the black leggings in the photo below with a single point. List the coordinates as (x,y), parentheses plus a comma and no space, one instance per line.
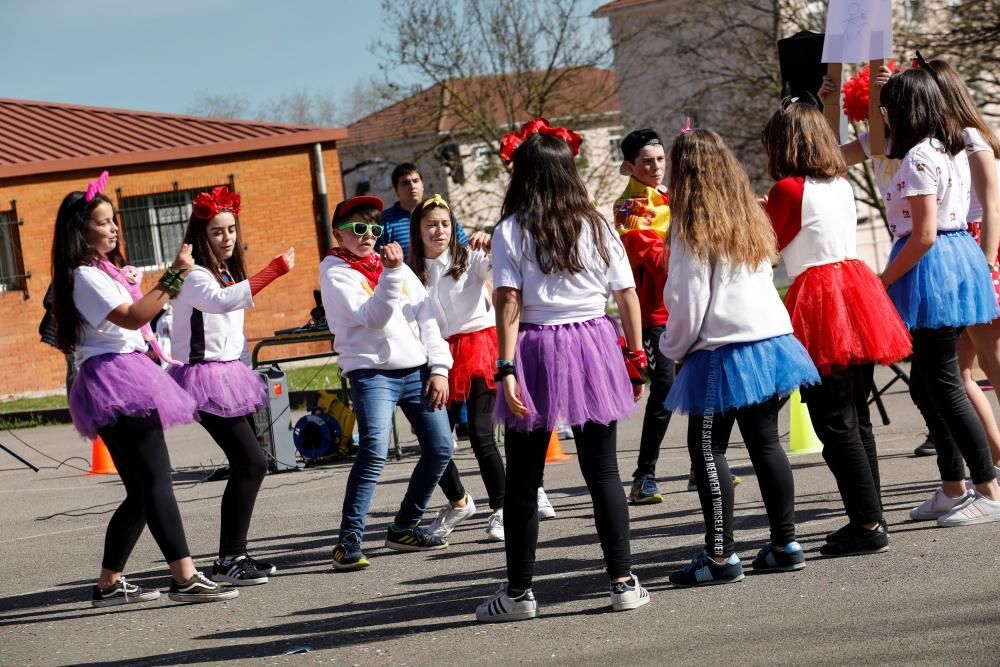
(708,439)
(937,389)
(247,468)
(657,417)
(480,402)
(838,409)
(140,453)
(596,449)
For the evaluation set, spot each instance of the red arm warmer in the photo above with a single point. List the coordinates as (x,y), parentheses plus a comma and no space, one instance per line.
(266,276)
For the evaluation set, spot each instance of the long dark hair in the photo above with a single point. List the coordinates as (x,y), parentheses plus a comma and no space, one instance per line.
(459,253)
(549,201)
(916,111)
(70,249)
(959,103)
(201,250)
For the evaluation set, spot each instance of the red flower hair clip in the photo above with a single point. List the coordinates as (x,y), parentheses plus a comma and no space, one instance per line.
(512,141)
(207,205)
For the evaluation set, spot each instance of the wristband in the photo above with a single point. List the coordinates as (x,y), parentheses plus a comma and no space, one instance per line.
(504,363)
(636,363)
(171,281)
(503,372)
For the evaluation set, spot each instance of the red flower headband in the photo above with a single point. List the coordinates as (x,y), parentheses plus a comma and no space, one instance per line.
(207,205)
(511,141)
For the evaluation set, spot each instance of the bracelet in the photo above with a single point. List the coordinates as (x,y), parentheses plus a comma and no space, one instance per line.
(504,363)
(503,372)
(171,281)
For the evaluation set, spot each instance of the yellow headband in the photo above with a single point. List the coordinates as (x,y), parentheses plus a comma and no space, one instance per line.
(436,199)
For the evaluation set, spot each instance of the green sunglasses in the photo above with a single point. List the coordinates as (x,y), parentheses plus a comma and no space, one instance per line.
(362,228)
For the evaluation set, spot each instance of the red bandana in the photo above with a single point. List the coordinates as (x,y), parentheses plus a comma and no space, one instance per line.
(370,266)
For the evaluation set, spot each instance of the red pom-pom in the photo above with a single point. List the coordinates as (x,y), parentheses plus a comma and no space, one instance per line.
(855,92)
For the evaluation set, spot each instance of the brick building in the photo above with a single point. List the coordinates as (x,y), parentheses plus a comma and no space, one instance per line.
(157,163)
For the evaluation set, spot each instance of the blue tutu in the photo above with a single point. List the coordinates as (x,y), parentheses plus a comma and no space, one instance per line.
(741,374)
(949,287)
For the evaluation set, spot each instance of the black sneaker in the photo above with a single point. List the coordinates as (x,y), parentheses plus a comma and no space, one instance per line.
(122,593)
(348,556)
(239,572)
(846,529)
(788,558)
(200,588)
(928,448)
(262,565)
(856,541)
(413,539)
(703,571)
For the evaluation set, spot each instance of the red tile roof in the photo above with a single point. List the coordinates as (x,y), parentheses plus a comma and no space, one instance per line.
(616,5)
(579,92)
(45,137)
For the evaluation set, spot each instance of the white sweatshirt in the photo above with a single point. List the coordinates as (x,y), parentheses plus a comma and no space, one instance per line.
(208,319)
(715,304)
(391,327)
(463,305)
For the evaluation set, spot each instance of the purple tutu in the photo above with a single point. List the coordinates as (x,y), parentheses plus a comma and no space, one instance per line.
(568,374)
(222,388)
(111,385)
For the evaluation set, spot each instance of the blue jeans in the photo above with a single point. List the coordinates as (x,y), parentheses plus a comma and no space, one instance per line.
(375,395)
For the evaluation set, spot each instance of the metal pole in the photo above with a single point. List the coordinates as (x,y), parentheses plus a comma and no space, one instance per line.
(319,180)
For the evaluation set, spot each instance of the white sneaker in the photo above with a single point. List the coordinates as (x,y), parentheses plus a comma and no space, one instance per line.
(628,595)
(938,505)
(494,527)
(978,509)
(500,607)
(449,517)
(545,509)
(564,432)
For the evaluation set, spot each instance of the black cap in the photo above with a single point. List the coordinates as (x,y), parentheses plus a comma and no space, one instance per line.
(636,140)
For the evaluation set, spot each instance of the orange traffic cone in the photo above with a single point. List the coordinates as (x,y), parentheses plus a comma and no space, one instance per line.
(555,454)
(100,459)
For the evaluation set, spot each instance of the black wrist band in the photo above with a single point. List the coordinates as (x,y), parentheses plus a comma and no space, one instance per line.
(171,280)
(503,372)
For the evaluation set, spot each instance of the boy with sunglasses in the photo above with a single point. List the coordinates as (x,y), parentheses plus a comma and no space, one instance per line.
(391,350)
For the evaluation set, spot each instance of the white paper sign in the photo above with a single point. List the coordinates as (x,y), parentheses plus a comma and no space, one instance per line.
(858,31)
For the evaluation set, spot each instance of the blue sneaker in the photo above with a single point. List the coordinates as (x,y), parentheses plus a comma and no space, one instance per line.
(703,571)
(786,559)
(347,555)
(644,491)
(413,539)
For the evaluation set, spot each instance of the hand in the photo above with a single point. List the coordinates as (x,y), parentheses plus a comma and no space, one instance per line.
(883,76)
(436,389)
(392,255)
(184,262)
(637,390)
(289,257)
(826,89)
(513,397)
(480,241)
(763,202)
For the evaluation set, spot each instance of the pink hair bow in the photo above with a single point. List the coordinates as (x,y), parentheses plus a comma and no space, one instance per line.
(687,126)
(95,188)
(513,140)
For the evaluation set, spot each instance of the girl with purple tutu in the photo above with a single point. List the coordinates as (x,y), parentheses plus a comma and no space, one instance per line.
(121,394)
(556,261)
(209,342)
(729,327)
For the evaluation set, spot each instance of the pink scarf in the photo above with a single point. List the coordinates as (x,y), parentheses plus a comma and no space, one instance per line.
(131,279)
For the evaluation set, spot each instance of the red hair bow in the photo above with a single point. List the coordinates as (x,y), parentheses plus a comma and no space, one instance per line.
(510,142)
(207,205)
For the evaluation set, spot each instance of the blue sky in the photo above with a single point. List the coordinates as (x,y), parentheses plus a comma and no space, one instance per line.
(155,54)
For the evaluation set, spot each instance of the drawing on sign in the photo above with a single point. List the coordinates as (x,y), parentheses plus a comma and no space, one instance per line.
(858,31)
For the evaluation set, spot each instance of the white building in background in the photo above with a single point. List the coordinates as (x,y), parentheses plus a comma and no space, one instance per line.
(430,129)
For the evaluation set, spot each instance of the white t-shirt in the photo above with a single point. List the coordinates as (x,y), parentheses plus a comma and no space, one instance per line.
(559,297)
(463,305)
(926,169)
(95,294)
(974,143)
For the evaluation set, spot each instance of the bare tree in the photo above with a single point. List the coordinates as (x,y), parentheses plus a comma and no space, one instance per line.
(221,105)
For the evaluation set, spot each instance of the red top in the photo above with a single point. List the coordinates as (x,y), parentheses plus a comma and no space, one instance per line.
(646,253)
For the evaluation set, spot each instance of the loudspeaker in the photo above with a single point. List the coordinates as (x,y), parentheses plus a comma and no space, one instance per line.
(273,422)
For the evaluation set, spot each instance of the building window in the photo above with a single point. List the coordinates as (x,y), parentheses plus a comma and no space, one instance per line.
(154,223)
(615,142)
(12,273)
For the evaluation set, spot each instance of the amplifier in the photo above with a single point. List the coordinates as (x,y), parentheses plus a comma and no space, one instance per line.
(273,422)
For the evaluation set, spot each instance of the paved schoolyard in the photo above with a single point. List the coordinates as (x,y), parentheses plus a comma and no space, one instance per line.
(933,599)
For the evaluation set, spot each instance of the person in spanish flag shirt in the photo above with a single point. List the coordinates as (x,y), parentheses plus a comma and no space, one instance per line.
(642,218)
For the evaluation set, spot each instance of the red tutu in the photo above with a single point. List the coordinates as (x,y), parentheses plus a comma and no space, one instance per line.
(843,316)
(976,229)
(475,354)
